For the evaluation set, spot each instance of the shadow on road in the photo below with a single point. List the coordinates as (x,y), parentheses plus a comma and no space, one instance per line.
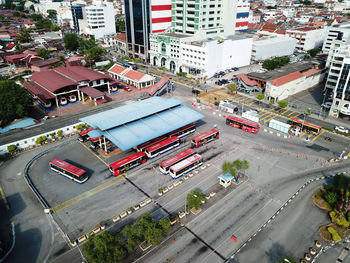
(276,252)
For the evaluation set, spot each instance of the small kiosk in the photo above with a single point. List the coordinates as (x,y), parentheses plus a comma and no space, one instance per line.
(226,179)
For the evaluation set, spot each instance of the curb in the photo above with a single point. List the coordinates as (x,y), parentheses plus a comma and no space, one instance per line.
(13,243)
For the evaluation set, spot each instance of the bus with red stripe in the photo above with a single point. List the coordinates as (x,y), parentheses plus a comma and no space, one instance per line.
(68,170)
(142,147)
(83,135)
(165,165)
(242,124)
(94,142)
(162,147)
(183,131)
(127,163)
(185,166)
(205,138)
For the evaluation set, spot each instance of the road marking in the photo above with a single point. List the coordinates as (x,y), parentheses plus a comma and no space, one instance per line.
(284,112)
(271,118)
(98,157)
(4,197)
(296,114)
(249,100)
(86,194)
(251,103)
(318,135)
(290,113)
(264,113)
(302,134)
(266,116)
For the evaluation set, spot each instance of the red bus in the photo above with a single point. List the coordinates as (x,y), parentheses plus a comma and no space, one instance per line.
(142,147)
(183,131)
(127,163)
(83,135)
(204,138)
(165,165)
(94,142)
(185,166)
(243,124)
(68,170)
(309,127)
(162,147)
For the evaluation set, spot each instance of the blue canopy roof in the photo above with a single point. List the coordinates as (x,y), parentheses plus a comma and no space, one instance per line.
(226,177)
(131,112)
(154,117)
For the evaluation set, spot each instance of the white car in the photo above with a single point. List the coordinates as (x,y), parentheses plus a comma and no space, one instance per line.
(341,129)
(327,105)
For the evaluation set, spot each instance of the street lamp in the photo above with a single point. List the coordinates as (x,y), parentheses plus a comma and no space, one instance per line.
(286,260)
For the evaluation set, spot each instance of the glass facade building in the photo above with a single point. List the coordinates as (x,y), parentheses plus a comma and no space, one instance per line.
(77,13)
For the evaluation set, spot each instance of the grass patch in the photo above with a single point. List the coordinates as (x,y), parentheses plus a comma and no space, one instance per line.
(319,201)
(324,233)
(328,129)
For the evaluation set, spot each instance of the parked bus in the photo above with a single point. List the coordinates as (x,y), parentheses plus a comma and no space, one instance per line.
(165,165)
(185,166)
(94,143)
(127,163)
(306,126)
(68,170)
(142,147)
(243,124)
(83,135)
(162,147)
(183,131)
(206,137)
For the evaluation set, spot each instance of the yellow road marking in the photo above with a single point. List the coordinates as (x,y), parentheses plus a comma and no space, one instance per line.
(269,115)
(309,136)
(290,113)
(302,134)
(252,102)
(86,194)
(264,114)
(284,112)
(271,118)
(296,114)
(318,135)
(249,100)
(94,154)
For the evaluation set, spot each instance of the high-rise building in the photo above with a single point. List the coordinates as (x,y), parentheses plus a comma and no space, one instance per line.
(77,13)
(242,17)
(338,32)
(98,19)
(137,25)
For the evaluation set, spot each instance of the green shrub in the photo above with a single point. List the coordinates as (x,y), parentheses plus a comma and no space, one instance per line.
(12,148)
(282,104)
(44,138)
(335,235)
(39,140)
(60,133)
(339,219)
(53,135)
(328,129)
(260,96)
(182,74)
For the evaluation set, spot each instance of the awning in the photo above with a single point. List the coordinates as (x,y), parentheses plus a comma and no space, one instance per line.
(92,92)
(100,101)
(94,133)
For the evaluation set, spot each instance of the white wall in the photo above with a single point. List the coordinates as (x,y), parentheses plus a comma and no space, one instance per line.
(284,91)
(278,47)
(24,143)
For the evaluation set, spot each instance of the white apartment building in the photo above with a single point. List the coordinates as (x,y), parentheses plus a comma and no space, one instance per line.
(242,17)
(273,46)
(336,32)
(307,37)
(64,16)
(254,18)
(99,19)
(338,78)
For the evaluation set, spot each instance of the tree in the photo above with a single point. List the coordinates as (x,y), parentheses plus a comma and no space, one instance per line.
(52,13)
(94,55)
(32,8)
(43,53)
(308,111)
(55,28)
(35,17)
(71,41)
(260,96)
(194,199)
(331,198)
(62,61)
(313,52)
(86,44)
(232,87)
(120,25)
(104,248)
(282,104)
(24,36)
(43,24)
(245,165)
(12,148)
(14,101)
(16,14)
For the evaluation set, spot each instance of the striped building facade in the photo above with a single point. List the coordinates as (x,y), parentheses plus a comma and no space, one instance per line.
(243,7)
(160,15)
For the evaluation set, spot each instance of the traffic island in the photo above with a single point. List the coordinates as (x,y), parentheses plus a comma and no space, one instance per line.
(196,211)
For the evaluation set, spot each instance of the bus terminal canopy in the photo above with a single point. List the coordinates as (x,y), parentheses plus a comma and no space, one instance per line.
(133,124)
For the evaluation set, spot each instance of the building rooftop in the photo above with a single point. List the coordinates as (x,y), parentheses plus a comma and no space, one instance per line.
(133,124)
(177,35)
(286,78)
(51,80)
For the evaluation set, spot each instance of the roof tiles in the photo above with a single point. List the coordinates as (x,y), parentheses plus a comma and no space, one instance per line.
(285,79)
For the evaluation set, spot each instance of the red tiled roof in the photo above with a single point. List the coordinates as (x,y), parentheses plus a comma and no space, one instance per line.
(51,80)
(75,58)
(305,29)
(93,93)
(280,31)
(37,91)
(30,52)
(15,58)
(66,72)
(117,69)
(134,75)
(121,37)
(158,85)
(247,81)
(29,59)
(10,45)
(90,74)
(311,72)
(287,78)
